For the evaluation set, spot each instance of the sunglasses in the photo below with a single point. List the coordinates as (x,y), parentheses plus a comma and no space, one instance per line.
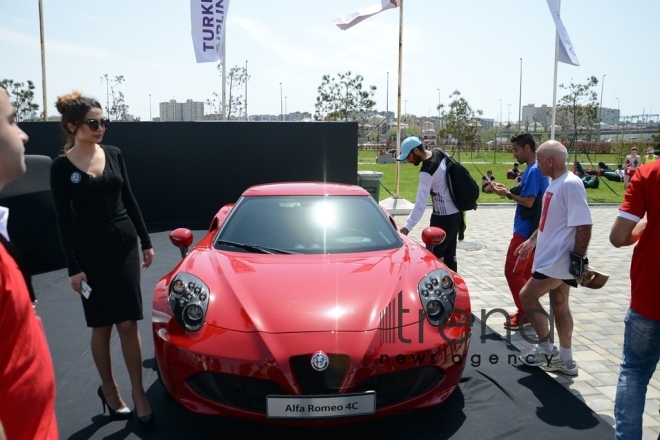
(93,124)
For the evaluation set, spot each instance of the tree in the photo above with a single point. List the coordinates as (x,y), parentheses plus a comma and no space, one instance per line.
(577,111)
(461,122)
(21,96)
(343,98)
(412,130)
(489,134)
(118,110)
(235,105)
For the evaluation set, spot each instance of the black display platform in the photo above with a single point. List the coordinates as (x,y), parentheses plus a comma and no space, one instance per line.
(494,401)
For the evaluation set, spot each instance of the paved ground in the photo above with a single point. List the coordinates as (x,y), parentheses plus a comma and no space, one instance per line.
(598,314)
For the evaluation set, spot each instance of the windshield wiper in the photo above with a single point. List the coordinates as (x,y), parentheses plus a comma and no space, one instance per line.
(255,248)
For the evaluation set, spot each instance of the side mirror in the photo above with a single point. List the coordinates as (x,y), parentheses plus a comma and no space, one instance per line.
(181,238)
(432,236)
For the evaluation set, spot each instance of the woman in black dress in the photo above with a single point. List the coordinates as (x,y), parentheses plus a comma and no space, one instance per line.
(99,222)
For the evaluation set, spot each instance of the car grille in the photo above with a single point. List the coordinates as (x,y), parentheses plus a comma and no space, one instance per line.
(402,385)
(250,393)
(327,381)
(230,389)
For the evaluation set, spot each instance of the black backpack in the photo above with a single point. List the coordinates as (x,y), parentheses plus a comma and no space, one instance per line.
(463,189)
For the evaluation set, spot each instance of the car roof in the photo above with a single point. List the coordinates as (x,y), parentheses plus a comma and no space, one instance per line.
(304,189)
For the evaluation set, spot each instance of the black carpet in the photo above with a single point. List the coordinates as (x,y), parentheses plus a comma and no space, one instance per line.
(494,401)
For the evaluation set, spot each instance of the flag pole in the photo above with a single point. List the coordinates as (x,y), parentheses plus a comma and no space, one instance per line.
(43,58)
(398,104)
(224,62)
(554,86)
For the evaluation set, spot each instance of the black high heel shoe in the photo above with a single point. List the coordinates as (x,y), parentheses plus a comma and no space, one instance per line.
(119,414)
(148,420)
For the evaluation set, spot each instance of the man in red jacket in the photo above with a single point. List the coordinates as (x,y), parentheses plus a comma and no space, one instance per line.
(27,379)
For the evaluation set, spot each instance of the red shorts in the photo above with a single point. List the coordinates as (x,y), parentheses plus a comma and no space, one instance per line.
(629,172)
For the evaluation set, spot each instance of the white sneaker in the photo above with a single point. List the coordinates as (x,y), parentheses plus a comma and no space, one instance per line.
(556,364)
(538,356)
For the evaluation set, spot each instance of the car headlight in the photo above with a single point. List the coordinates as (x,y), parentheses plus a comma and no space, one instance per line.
(189,299)
(438,296)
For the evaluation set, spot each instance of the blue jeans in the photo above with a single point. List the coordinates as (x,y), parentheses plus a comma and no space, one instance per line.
(641,353)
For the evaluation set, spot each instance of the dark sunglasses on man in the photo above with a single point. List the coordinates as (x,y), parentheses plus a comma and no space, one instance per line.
(93,124)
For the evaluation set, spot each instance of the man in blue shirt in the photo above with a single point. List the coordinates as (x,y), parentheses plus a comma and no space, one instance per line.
(528,196)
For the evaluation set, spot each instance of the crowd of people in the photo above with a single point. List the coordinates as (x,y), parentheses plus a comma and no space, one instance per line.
(552,227)
(93,199)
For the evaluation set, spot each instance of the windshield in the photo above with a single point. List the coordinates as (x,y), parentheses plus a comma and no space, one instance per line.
(307,225)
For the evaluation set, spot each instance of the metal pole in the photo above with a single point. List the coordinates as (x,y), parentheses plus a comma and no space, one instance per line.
(495,139)
(387,102)
(246,81)
(285,110)
(520,100)
(439,104)
(150,108)
(600,107)
(554,87)
(281,106)
(43,58)
(398,104)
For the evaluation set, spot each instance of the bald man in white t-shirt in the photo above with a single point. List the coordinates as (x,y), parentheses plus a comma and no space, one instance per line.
(565,227)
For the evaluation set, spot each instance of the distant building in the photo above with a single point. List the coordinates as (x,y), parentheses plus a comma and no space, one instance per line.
(536,118)
(486,123)
(297,116)
(181,111)
(610,116)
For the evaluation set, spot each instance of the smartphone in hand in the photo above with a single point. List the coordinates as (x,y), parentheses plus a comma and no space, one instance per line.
(85,289)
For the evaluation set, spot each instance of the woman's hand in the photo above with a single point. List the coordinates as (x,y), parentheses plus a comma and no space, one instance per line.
(75,281)
(148,257)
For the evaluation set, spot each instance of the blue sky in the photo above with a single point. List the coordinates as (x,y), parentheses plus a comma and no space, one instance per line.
(474,46)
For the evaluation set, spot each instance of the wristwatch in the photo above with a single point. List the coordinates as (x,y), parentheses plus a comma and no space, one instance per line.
(508,196)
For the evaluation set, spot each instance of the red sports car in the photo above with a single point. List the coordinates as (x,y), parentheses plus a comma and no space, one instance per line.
(304,303)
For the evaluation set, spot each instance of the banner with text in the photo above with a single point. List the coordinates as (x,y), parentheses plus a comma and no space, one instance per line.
(208,19)
(566,50)
(352,18)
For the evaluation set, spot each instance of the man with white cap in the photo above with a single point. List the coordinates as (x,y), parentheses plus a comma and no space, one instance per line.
(433,182)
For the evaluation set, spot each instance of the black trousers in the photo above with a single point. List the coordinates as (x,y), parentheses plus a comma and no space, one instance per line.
(446,251)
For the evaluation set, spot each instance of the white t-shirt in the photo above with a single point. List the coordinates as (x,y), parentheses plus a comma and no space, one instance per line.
(564,208)
(432,180)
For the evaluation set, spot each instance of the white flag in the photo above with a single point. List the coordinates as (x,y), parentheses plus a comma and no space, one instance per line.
(566,50)
(352,18)
(208,19)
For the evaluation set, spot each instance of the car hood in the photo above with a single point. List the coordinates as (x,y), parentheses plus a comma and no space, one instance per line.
(296,293)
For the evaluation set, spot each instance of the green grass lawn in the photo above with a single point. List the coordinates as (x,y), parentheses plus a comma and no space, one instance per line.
(498,163)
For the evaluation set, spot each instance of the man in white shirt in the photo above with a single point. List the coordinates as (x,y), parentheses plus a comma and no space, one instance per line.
(565,226)
(433,182)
